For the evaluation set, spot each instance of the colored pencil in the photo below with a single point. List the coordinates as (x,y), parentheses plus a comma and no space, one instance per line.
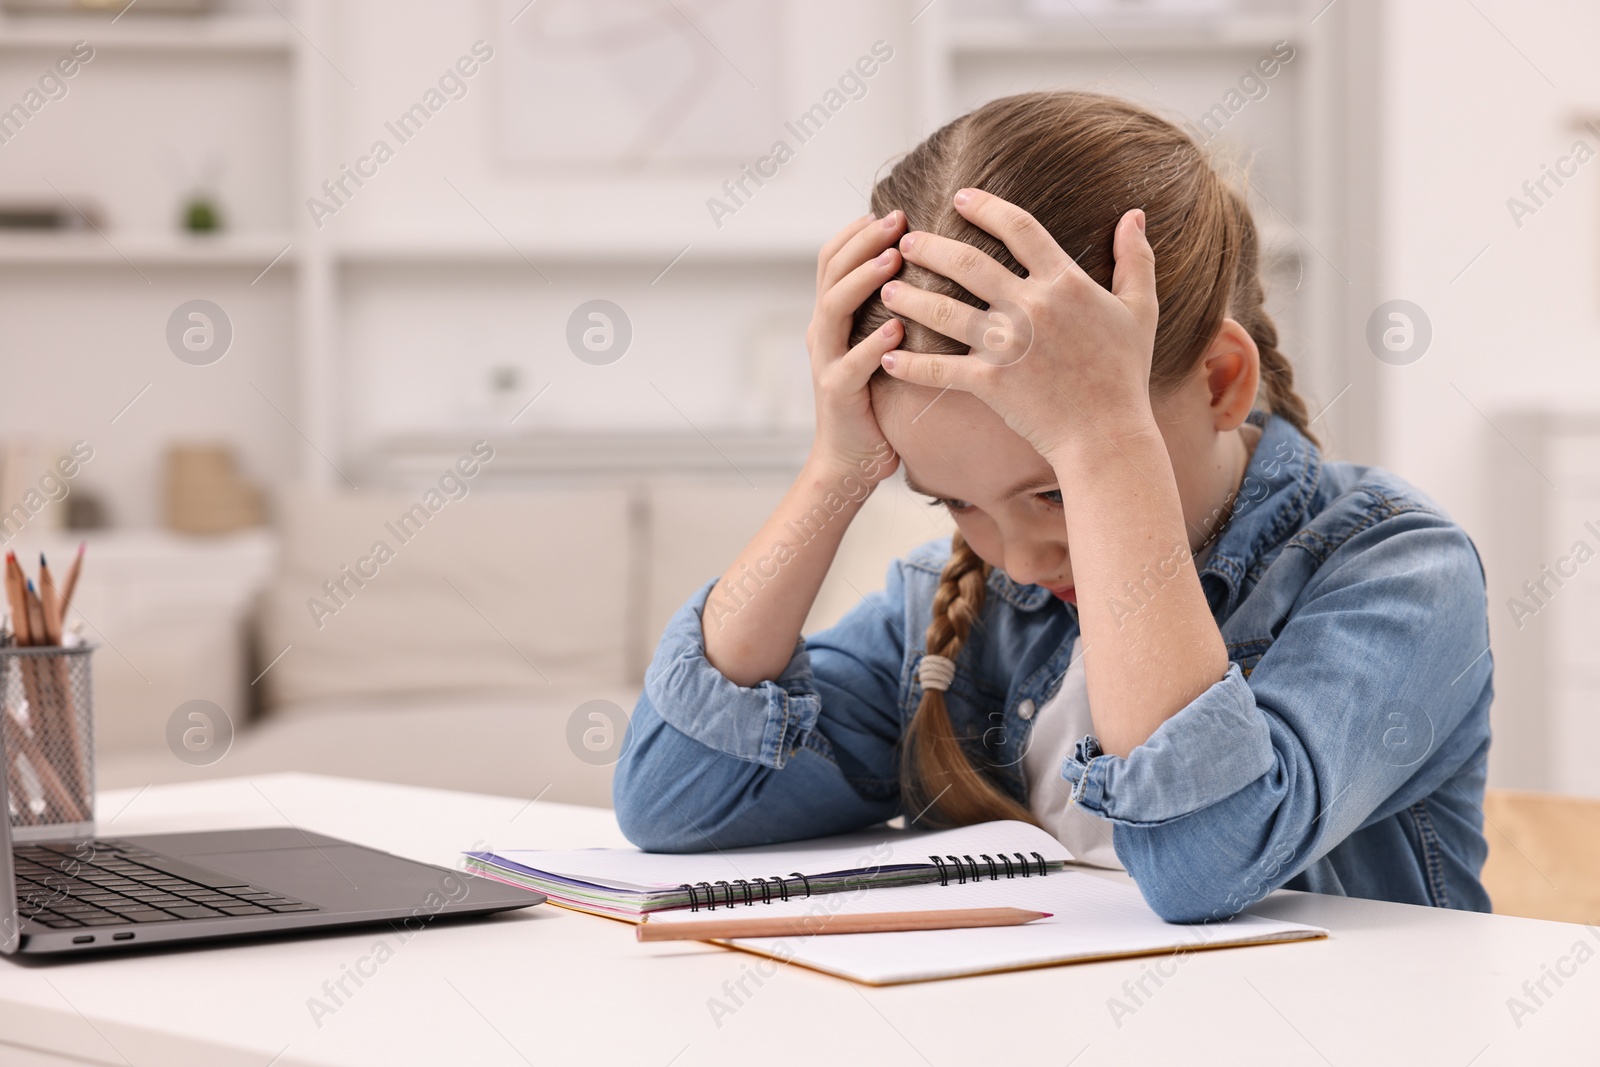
(22,620)
(65,730)
(70,586)
(806,925)
(36,627)
(38,614)
(50,602)
(60,797)
(18,599)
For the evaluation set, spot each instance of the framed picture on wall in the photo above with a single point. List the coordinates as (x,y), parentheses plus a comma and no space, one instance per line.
(632,83)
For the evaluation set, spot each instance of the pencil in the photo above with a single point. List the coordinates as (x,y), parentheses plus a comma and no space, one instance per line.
(65,730)
(60,797)
(806,925)
(36,628)
(23,610)
(18,599)
(52,691)
(51,603)
(27,632)
(71,584)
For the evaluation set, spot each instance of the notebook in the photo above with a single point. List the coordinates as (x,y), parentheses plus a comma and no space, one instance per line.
(625,883)
(1091,918)
(995,864)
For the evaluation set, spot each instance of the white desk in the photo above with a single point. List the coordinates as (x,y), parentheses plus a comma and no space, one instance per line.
(1394,984)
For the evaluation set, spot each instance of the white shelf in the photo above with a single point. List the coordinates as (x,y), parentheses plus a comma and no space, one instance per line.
(147,33)
(426,251)
(87,248)
(1007,36)
(534,456)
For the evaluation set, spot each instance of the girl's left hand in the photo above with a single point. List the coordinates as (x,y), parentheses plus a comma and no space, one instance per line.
(1058,357)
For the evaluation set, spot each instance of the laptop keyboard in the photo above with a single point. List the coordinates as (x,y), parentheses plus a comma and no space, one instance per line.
(107,883)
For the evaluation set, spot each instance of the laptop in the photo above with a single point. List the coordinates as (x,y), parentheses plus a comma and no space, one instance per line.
(89,896)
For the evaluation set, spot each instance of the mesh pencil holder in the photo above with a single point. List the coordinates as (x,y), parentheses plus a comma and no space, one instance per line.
(47,728)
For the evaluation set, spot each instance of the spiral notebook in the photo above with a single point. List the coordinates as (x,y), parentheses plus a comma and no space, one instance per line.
(989,865)
(626,883)
(1090,918)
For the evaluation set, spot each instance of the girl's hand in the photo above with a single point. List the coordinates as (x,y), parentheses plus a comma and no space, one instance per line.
(857,260)
(1059,357)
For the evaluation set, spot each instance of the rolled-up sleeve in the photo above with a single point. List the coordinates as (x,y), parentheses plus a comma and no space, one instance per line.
(763,723)
(1381,658)
(708,763)
(1210,750)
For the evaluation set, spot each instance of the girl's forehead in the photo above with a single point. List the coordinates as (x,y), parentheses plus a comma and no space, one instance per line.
(951,443)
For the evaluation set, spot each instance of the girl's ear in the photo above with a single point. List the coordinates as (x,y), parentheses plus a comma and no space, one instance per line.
(1231,370)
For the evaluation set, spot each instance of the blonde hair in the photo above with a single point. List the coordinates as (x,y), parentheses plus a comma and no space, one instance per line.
(1077,162)
(936,777)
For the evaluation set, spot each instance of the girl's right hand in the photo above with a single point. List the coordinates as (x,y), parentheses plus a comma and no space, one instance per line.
(851,267)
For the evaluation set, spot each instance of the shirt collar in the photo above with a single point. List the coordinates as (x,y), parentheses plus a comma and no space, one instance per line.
(1273,496)
(1023,597)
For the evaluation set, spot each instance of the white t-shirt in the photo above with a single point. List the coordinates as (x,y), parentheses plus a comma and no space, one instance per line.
(1059,724)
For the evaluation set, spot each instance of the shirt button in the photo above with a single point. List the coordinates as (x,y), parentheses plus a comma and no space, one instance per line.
(1025,710)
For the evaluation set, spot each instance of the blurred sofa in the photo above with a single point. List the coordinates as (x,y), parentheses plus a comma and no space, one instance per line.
(497,643)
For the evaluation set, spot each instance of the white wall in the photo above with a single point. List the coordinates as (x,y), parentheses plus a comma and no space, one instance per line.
(393,60)
(1469,120)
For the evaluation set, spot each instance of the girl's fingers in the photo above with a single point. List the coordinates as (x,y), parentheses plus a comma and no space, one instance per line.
(977,273)
(836,242)
(938,371)
(957,321)
(865,358)
(1133,279)
(1029,241)
(862,247)
(839,303)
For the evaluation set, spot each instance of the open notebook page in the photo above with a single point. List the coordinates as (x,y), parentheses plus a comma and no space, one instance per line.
(630,869)
(1091,918)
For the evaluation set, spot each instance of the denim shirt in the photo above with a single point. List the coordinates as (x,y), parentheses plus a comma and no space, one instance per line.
(1344,751)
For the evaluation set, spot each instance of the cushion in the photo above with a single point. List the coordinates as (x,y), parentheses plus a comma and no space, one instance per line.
(499,590)
(698,527)
(508,745)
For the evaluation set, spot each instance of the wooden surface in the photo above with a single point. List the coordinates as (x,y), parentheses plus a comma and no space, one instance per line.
(1544,855)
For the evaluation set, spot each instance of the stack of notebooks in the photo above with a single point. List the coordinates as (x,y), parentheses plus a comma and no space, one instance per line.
(996,864)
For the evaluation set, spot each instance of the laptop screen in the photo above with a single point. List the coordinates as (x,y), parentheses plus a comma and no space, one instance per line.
(10,920)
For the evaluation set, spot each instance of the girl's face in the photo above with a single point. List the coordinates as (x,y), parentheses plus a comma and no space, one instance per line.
(1006,499)
(1003,495)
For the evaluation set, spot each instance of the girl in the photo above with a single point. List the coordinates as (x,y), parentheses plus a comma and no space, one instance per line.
(1167,630)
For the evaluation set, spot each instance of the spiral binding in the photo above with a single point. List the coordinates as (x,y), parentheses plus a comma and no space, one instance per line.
(965,868)
(744,888)
(970,869)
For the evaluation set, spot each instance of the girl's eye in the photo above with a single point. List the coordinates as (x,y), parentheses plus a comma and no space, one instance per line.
(1053,496)
(953,505)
